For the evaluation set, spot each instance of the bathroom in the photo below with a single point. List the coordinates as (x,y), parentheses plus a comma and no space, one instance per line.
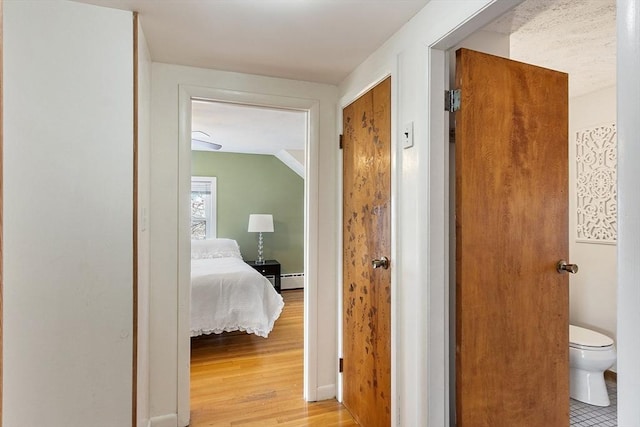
(587,53)
(593,215)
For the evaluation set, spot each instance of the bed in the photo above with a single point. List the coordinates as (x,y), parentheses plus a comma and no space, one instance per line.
(227,294)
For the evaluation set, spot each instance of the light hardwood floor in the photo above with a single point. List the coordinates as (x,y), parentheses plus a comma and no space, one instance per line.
(244,380)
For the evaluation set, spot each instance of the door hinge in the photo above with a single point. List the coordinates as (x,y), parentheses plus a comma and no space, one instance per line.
(340,364)
(340,143)
(452,100)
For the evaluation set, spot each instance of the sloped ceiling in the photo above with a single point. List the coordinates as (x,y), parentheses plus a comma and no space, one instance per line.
(248,129)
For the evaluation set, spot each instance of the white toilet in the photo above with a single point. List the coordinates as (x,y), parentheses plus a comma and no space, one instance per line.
(590,354)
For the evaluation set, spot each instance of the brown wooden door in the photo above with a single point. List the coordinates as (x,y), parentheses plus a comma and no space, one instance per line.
(512,330)
(367,236)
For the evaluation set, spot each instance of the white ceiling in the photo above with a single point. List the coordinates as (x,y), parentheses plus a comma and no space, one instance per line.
(324,40)
(311,40)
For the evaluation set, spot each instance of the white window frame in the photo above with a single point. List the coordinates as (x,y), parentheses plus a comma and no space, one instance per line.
(211,219)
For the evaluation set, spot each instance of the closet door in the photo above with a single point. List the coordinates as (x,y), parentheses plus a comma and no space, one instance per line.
(367,238)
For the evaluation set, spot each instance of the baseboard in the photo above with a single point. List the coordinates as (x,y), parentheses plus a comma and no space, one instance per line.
(169,420)
(611,376)
(326,392)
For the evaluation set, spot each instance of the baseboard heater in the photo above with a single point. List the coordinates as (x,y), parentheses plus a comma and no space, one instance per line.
(291,281)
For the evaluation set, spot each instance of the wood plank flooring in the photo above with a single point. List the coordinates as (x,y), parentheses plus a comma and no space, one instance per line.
(244,380)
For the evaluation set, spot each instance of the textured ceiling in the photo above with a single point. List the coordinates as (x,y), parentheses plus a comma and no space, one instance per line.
(574,36)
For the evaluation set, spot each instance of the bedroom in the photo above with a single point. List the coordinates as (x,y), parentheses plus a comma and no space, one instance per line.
(245,160)
(259,169)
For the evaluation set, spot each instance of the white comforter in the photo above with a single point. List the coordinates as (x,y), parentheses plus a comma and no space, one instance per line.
(228,295)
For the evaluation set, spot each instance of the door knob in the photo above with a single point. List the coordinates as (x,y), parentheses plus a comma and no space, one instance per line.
(563,267)
(382,262)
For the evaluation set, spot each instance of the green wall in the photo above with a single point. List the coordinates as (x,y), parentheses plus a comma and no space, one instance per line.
(253,183)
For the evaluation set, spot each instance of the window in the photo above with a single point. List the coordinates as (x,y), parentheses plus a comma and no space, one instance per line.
(203,207)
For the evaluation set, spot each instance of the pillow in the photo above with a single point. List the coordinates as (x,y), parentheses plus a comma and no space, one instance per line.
(215,248)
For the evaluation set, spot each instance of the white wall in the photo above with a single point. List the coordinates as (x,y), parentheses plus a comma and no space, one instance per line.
(164,223)
(144,158)
(593,290)
(68,215)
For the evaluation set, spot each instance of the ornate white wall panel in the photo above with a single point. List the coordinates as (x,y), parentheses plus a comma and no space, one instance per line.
(596,184)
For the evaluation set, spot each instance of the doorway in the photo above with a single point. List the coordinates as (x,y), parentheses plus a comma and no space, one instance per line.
(311,107)
(592,108)
(256,157)
(480,40)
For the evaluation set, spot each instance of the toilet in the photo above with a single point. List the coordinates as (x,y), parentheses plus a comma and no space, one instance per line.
(590,354)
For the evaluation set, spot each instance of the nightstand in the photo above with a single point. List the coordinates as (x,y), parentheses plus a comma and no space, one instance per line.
(270,267)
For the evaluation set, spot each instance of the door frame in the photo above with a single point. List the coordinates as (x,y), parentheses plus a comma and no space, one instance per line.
(343,102)
(437,277)
(312,107)
(627,111)
(437,271)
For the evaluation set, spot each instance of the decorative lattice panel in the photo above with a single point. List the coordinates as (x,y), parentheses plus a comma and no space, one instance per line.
(596,184)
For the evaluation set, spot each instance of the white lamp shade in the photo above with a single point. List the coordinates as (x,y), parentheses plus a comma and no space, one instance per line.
(260,223)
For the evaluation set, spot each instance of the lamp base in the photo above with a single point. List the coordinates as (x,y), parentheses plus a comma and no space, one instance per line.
(260,259)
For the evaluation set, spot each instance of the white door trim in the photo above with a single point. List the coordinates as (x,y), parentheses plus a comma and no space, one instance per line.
(628,110)
(439,406)
(312,107)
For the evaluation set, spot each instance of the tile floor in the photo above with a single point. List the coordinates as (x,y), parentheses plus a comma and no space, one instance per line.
(583,415)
